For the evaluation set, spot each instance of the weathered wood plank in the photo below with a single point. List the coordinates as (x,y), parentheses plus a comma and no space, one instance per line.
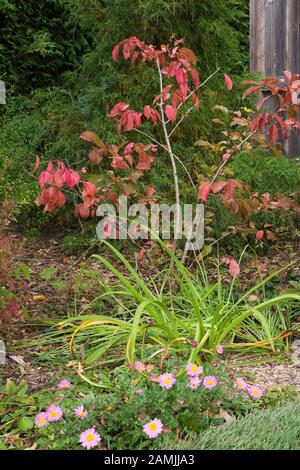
(275,44)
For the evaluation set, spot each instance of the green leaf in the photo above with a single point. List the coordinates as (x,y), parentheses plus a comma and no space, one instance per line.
(22,268)
(2,445)
(47,273)
(59,285)
(10,387)
(25,423)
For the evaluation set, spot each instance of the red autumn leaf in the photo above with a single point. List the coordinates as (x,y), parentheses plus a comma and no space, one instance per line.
(51,198)
(37,164)
(82,211)
(112,196)
(218,186)
(150,191)
(259,235)
(89,192)
(234,268)
(118,109)
(171,112)
(186,54)
(88,136)
(195,77)
(195,100)
(204,190)
(228,82)
(95,156)
(71,178)
(115,53)
(145,162)
(142,254)
(46,177)
(58,178)
(229,189)
(129,148)
(250,90)
(119,163)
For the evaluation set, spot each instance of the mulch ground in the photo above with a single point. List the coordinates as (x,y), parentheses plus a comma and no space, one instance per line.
(44,301)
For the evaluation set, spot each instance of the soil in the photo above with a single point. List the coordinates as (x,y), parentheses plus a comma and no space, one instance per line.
(45,301)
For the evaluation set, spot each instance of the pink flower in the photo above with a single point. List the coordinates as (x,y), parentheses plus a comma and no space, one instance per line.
(166,380)
(142,416)
(210,381)
(41,420)
(54,413)
(139,391)
(153,429)
(139,366)
(80,412)
(240,383)
(194,383)
(64,384)
(219,349)
(193,370)
(89,438)
(153,378)
(255,391)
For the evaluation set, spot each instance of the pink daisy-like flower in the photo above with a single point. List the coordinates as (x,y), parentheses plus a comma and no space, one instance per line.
(193,370)
(154,428)
(219,349)
(139,366)
(210,381)
(54,413)
(153,378)
(80,412)
(194,383)
(89,438)
(166,380)
(41,420)
(255,391)
(64,384)
(139,391)
(240,383)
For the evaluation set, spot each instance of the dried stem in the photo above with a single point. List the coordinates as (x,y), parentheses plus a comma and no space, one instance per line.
(171,155)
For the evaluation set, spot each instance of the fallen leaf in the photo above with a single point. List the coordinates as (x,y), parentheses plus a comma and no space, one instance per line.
(226,416)
(39,298)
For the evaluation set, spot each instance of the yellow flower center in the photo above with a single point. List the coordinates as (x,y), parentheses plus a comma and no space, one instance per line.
(90,437)
(194,368)
(42,420)
(53,414)
(153,427)
(210,382)
(255,391)
(166,381)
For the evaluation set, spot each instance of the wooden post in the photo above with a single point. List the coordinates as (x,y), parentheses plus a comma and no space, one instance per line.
(275,44)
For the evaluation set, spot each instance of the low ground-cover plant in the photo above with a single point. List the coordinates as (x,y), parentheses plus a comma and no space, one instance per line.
(140,404)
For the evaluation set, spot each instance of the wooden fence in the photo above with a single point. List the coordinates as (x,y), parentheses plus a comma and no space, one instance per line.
(275,44)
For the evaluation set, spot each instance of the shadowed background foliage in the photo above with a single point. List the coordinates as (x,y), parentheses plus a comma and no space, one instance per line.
(55,57)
